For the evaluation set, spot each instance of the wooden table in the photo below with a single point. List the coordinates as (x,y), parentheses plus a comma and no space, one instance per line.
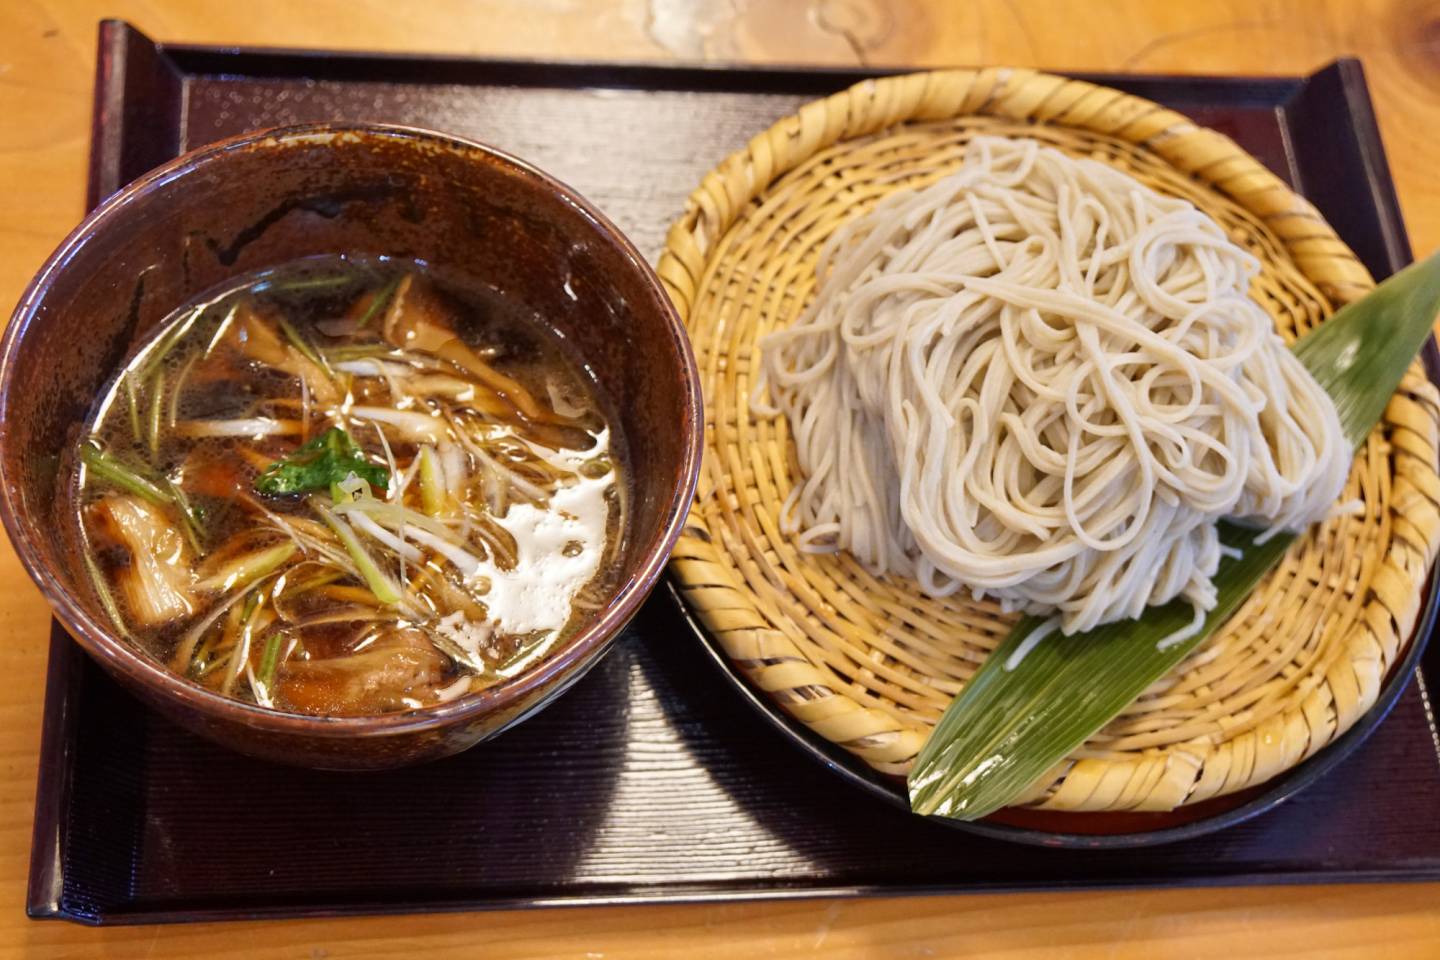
(46,70)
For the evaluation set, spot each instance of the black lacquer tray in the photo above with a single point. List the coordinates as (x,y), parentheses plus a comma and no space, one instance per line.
(653,780)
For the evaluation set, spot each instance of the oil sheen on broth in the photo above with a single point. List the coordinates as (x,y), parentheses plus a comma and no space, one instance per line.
(350,487)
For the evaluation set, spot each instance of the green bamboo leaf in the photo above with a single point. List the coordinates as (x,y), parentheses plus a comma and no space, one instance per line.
(1020,715)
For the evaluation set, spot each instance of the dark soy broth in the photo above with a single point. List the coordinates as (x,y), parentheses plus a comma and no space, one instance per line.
(349,487)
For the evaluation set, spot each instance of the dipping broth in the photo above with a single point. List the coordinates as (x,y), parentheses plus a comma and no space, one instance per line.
(349,487)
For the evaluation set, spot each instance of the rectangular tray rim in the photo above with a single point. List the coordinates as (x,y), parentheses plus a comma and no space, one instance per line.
(702,894)
(190,56)
(64,657)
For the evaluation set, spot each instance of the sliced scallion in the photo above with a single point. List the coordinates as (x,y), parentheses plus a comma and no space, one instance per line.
(249,568)
(133,401)
(382,297)
(152,420)
(300,284)
(270,662)
(307,350)
(432,482)
(380,584)
(104,467)
(191,525)
(107,599)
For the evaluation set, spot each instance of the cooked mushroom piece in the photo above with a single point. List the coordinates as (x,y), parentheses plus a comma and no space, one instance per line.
(156,583)
(400,668)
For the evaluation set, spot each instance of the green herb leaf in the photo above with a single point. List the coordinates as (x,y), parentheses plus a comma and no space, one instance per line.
(325,460)
(1013,723)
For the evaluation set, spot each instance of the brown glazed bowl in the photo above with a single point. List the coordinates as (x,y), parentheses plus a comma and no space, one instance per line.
(266,198)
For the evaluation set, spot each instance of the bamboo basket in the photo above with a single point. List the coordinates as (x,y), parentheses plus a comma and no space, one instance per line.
(870,664)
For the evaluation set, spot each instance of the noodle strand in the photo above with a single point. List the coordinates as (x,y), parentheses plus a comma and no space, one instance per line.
(1041,381)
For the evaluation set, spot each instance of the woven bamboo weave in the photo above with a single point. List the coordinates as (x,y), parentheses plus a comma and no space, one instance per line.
(869,663)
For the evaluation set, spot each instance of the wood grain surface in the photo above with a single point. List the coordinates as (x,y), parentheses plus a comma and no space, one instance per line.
(46,71)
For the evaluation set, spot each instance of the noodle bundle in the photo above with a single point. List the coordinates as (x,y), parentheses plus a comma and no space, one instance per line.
(1041,381)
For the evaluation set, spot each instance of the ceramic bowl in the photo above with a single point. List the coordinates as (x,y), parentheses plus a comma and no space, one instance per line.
(262,200)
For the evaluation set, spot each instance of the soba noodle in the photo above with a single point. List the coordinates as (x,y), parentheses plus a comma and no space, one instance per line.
(1041,381)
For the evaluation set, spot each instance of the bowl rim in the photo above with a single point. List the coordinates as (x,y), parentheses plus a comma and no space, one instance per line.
(115,654)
